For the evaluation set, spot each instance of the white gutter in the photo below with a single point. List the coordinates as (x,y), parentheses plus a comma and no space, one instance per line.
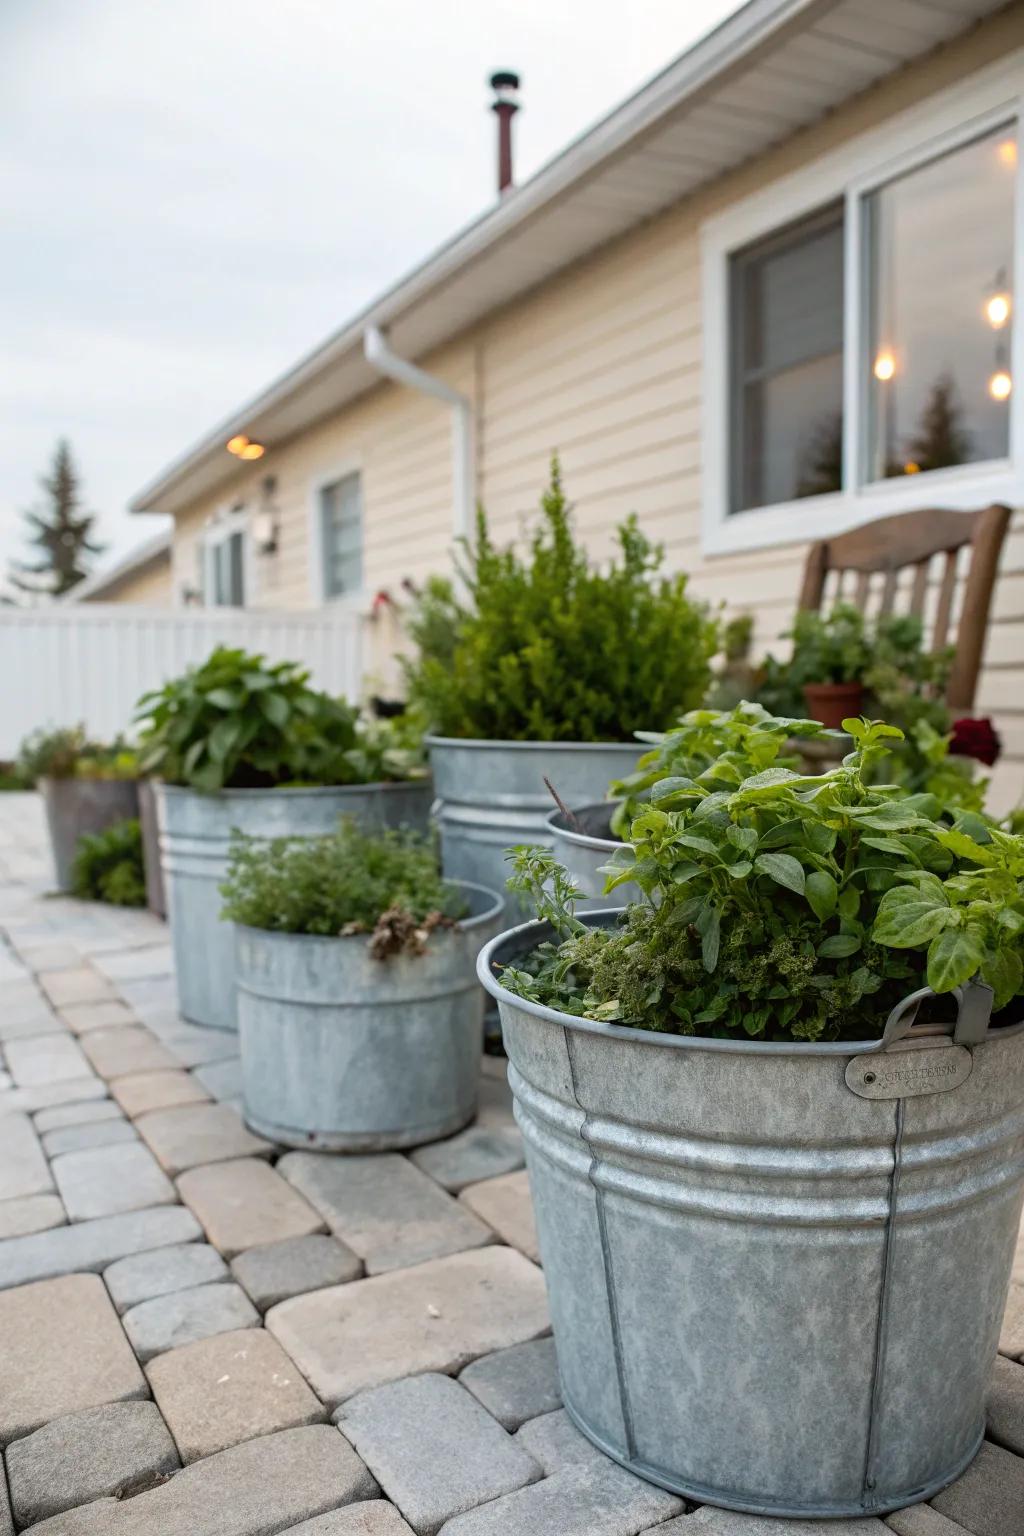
(380,356)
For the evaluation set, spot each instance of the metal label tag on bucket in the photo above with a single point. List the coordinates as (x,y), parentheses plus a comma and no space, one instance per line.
(908,1071)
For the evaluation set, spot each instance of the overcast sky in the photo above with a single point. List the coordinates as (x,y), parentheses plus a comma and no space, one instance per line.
(196,192)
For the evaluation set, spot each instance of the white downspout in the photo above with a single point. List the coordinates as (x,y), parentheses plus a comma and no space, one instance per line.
(380,356)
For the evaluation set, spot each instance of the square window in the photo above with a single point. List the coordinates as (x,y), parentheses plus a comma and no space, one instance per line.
(341,524)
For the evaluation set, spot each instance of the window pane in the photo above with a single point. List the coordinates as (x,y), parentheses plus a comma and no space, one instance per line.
(940,255)
(341,511)
(786,388)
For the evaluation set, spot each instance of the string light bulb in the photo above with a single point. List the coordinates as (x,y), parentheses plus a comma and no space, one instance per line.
(1006,149)
(1000,385)
(237,444)
(252,451)
(885,367)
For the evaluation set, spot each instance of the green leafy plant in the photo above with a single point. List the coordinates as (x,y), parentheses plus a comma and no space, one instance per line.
(69,754)
(385,883)
(108,866)
(241,722)
(547,647)
(786,906)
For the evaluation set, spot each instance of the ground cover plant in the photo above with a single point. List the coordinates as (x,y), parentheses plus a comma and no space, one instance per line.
(785,906)
(383,883)
(108,866)
(241,722)
(68,753)
(548,647)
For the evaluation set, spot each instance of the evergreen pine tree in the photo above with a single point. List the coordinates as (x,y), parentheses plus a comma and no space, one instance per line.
(61,530)
(941,439)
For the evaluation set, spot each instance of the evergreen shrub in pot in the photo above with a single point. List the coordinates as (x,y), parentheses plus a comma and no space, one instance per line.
(774,1119)
(360,1017)
(242,744)
(86,787)
(543,666)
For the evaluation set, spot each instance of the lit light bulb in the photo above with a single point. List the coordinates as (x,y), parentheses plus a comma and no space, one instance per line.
(252,451)
(910,468)
(1006,149)
(997,310)
(1000,385)
(885,367)
(238,444)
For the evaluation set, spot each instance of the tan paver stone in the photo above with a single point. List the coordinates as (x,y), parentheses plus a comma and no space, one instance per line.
(61,1349)
(1005,1405)
(1011,1337)
(244,1203)
(105,1181)
(386,1210)
(436,1316)
(41,1060)
(230,1388)
(378,1518)
(141,1092)
(989,1498)
(922,1520)
(122,1050)
(261,1488)
(51,957)
(23,1166)
(83,1017)
(196,1134)
(505,1205)
(32,1213)
(82,985)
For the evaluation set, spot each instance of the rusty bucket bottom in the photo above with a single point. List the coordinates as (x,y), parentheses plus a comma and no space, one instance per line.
(359,1141)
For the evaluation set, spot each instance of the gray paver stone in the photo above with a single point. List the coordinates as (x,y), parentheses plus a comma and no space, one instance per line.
(6,1520)
(42,1060)
(554,1441)
(92,1245)
(1011,1338)
(377,1518)
(89,1112)
(183,1317)
(61,1349)
(728,1522)
(581,1501)
(516,1384)
(114,1449)
(29,1100)
(481,1151)
(1005,1405)
(23,1168)
(221,1079)
(143,1276)
(132,964)
(505,1205)
(437,1316)
(989,1498)
(121,1050)
(275,1271)
(198,1133)
(106,1181)
(79,1138)
(31,1213)
(193,1045)
(261,1488)
(922,1520)
(139,1092)
(230,1388)
(434,1450)
(386,1210)
(244,1203)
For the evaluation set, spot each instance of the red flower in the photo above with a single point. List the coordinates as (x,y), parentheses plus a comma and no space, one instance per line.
(975,738)
(382,599)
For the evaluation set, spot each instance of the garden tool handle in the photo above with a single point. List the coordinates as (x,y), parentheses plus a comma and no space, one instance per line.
(969,1027)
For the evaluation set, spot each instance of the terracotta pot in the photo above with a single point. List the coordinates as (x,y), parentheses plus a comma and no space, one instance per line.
(832,703)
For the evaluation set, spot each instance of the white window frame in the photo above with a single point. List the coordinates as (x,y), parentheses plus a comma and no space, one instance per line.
(229,520)
(941,124)
(318,554)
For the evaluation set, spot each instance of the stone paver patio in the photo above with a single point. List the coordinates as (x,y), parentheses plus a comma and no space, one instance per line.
(202,1334)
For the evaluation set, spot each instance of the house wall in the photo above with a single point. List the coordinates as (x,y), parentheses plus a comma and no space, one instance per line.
(604,364)
(149,587)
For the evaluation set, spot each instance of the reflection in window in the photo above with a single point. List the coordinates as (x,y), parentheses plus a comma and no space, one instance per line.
(939,254)
(786,376)
(341,513)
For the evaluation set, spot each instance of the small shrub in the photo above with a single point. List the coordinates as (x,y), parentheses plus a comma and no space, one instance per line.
(69,754)
(108,866)
(548,648)
(385,883)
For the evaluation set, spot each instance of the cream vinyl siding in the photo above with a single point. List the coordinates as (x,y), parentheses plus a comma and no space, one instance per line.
(604,364)
(148,588)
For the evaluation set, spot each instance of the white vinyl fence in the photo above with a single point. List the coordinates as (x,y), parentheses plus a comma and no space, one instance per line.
(63,665)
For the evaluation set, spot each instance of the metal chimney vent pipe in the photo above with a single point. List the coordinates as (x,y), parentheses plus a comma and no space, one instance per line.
(505,85)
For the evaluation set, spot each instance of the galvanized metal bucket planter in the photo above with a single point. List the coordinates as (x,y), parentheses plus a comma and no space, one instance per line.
(491,795)
(777,1272)
(195,837)
(347,1053)
(156,900)
(584,845)
(77,806)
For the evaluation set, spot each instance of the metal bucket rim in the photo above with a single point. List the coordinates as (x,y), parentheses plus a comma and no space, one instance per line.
(481,744)
(383,785)
(584,839)
(464,924)
(605,917)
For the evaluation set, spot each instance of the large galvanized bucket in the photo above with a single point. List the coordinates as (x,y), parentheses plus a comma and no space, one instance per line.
(77,806)
(156,900)
(492,795)
(777,1272)
(585,846)
(344,1052)
(195,837)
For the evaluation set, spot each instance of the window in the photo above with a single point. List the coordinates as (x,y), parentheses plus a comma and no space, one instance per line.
(224,562)
(860,328)
(341,535)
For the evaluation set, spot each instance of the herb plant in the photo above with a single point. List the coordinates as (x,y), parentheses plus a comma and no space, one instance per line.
(785,907)
(385,883)
(69,754)
(108,866)
(241,722)
(547,647)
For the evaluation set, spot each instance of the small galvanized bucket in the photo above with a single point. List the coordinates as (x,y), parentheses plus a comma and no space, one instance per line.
(492,795)
(585,846)
(195,838)
(77,806)
(777,1272)
(347,1053)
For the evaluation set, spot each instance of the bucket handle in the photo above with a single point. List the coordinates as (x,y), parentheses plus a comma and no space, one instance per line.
(970,1027)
